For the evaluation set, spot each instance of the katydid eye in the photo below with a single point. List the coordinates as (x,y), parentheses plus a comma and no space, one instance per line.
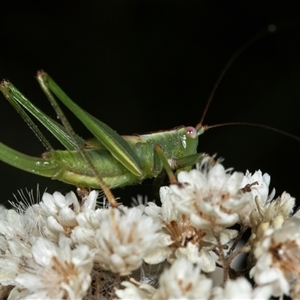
(191,132)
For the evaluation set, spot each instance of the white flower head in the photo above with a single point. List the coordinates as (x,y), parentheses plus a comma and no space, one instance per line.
(271,215)
(240,289)
(57,272)
(178,237)
(183,281)
(60,212)
(278,257)
(211,196)
(18,231)
(124,237)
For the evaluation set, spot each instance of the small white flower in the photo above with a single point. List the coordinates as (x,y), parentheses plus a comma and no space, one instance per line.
(88,223)
(178,237)
(183,281)
(18,231)
(56,272)
(60,212)
(210,196)
(272,214)
(240,289)
(125,236)
(278,257)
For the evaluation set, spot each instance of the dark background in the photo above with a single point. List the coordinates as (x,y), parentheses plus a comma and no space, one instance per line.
(143,66)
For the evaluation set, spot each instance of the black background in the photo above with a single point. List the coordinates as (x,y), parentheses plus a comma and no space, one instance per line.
(143,66)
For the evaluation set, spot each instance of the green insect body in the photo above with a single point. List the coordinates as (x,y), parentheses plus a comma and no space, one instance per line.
(73,169)
(118,160)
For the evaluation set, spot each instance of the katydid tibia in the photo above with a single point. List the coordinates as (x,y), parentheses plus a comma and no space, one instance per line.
(116,160)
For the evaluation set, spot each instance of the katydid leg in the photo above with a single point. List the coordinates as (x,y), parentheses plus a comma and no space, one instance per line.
(159,151)
(17,99)
(112,141)
(42,79)
(187,161)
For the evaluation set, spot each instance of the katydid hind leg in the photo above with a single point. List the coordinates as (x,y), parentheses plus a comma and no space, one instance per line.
(21,103)
(111,198)
(112,141)
(13,96)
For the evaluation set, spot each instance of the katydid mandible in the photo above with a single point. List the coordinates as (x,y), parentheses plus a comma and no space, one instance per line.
(118,160)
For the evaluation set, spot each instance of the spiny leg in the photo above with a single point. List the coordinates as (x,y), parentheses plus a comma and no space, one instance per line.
(21,103)
(12,95)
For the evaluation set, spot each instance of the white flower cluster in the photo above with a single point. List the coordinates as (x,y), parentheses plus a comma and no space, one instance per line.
(188,248)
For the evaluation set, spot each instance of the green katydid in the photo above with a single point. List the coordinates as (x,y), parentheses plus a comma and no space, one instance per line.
(109,160)
(113,160)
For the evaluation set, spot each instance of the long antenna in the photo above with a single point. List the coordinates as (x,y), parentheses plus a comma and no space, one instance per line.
(261,34)
(294,137)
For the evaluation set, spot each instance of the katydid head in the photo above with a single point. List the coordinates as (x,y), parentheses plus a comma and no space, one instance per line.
(189,139)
